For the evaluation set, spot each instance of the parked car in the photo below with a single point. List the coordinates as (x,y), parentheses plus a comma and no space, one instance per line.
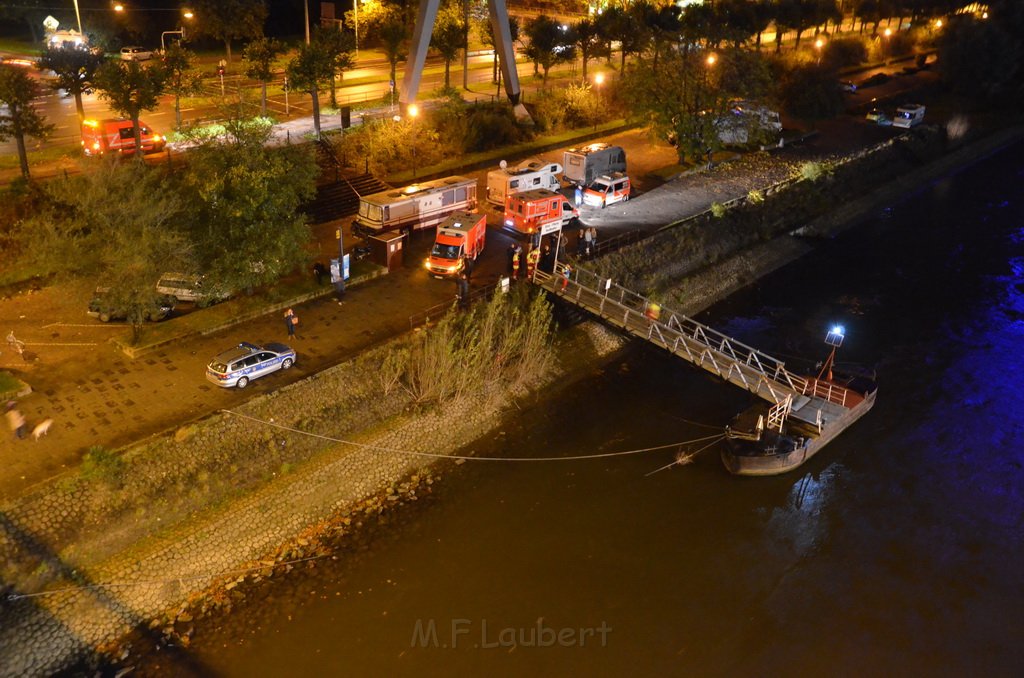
(136,53)
(190,287)
(102,307)
(876,79)
(878,117)
(238,366)
(607,190)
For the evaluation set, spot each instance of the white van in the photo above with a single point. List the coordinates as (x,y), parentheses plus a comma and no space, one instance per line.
(528,176)
(908,115)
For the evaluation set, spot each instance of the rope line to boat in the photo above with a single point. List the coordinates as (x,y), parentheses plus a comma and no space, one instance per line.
(175,580)
(437,455)
(687,458)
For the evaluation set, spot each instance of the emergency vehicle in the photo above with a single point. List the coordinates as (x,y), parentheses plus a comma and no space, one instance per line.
(607,190)
(538,211)
(530,174)
(583,165)
(460,238)
(417,206)
(118,136)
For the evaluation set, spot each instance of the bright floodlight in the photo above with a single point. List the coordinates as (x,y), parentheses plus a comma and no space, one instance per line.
(835,336)
(819,43)
(118,7)
(712,59)
(599,78)
(413,110)
(888,32)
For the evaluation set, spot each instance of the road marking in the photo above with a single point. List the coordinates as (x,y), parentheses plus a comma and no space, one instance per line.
(104,325)
(52,343)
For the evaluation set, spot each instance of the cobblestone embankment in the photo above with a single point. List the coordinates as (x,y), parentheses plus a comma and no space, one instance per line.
(86,608)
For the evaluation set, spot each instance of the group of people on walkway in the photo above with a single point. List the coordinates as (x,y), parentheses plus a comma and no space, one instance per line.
(586,243)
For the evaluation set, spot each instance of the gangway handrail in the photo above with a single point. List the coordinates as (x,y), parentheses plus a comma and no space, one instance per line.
(726,356)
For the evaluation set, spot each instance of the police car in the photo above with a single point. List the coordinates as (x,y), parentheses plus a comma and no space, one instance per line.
(240,365)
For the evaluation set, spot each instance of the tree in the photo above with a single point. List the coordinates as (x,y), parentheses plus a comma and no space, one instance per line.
(486,31)
(684,98)
(979,58)
(590,41)
(74,68)
(810,92)
(260,55)
(549,44)
(131,88)
(228,20)
(17,90)
(619,25)
(393,36)
(339,46)
(182,79)
(244,205)
(448,38)
(308,71)
(126,244)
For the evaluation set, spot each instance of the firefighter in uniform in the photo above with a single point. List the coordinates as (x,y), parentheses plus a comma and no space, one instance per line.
(515,263)
(532,259)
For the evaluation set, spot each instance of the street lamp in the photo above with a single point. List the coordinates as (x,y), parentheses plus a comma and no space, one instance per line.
(711,59)
(185,13)
(818,44)
(598,81)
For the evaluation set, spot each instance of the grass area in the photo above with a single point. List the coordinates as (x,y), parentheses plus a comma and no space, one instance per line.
(9,385)
(18,45)
(239,308)
(36,157)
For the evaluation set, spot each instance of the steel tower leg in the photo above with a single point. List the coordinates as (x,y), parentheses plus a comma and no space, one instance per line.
(507,56)
(418,51)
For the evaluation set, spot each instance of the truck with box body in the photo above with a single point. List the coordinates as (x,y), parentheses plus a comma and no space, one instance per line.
(528,175)
(100,137)
(536,211)
(460,239)
(414,207)
(583,165)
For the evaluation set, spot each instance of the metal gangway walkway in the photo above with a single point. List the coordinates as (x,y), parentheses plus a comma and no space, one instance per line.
(733,361)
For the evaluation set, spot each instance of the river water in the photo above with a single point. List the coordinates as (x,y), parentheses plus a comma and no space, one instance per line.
(896,551)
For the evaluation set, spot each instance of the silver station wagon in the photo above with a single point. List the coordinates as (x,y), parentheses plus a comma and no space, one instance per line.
(240,365)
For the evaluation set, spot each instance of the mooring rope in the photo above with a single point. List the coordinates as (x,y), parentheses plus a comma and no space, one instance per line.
(437,455)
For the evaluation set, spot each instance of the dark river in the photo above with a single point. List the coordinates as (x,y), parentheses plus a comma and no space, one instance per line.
(896,551)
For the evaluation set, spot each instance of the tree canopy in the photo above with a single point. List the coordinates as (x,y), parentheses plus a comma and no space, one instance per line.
(74,69)
(21,119)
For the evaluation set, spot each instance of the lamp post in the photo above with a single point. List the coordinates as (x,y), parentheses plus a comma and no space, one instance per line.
(187,14)
(598,81)
(818,44)
(78,16)
(413,112)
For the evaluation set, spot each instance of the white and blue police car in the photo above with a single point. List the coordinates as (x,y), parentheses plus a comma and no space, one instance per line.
(245,362)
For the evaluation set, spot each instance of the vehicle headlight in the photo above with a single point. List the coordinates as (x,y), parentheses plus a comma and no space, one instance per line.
(426,263)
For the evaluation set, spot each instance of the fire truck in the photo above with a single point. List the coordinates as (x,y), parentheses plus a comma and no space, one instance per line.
(538,211)
(118,136)
(460,239)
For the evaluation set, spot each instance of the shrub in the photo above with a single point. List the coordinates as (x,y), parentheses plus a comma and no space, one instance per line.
(844,52)
(811,171)
(718,210)
(102,465)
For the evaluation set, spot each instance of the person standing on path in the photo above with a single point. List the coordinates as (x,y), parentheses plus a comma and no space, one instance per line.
(290,321)
(588,243)
(511,253)
(319,272)
(15,421)
(515,263)
(579,195)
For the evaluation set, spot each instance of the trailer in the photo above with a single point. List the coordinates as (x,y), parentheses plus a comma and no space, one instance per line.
(583,165)
(414,207)
(460,239)
(528,175)
(747,120)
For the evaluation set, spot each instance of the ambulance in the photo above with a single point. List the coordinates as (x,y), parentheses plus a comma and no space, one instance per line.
(100,137)
(460,239)
(538,211)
